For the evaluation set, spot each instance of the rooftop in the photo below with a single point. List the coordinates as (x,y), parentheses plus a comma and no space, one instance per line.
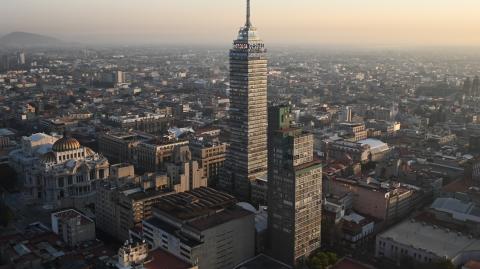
(161,259)
(459,210)
(439,241)
(6,132)
(472,265)
(72,214)
(195,203)
(374,144)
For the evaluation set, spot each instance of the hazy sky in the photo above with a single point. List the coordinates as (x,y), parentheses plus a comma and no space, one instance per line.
(346,22)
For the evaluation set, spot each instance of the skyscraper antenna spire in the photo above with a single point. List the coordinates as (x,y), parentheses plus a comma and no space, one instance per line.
(248,22)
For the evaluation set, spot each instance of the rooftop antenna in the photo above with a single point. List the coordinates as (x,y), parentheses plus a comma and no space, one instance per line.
(248,23)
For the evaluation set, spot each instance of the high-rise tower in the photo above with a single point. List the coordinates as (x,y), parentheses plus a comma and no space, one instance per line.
(476,86)
(247,156)
(294,191)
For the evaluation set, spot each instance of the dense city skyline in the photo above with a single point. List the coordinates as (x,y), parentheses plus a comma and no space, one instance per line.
(158,144)
(345,22)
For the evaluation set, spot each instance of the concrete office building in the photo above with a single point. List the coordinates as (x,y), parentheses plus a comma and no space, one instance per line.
(210,154)
(247,155)
(145,151)
(150,122)
(387,202)
(121,207)
(203,227)
(73,227)
(294,193)
(119,146)
(151,156)
(183,173)
(353,131)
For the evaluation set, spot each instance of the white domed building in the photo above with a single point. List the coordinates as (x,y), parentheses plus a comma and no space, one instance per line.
(59,172)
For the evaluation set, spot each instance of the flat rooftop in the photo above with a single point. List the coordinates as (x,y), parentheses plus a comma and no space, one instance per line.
(440,241)
(161,259)
(72,214)
(188,205)
(459,210)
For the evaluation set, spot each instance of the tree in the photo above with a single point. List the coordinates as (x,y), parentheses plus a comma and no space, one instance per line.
(443,264)
(8,177)
(408,263)
(321,260)
(6,215)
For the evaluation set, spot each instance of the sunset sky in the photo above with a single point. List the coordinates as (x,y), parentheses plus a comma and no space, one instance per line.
(332,22)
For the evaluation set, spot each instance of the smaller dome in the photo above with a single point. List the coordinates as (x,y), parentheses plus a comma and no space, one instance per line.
(48,157)
(66,144)
(89,152)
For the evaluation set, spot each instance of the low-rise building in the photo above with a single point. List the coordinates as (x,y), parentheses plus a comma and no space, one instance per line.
(465,214)
(73,227)
(154,123)
(356,229)
(131,255)
(354,131)
(210,153)
(121,207)
(361,151)
(426,243)
(150,156)
(184,173)
(386,202)
(119,146)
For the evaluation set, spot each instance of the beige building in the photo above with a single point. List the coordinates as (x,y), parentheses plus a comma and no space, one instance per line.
(183,173)
(150,156)
(210,155)
(119,146)
(145,151)
(385,201)
(354,131)
(120,207)
(150,122)
(124,200)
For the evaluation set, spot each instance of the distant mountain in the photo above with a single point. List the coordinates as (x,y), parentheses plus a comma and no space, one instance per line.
(28,40)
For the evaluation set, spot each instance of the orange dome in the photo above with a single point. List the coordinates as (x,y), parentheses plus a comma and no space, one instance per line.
(66,144)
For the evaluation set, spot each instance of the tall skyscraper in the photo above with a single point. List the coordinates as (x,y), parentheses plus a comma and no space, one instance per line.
(294,191)
(467,86)
(476,86)
(247,156)
(21,58)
